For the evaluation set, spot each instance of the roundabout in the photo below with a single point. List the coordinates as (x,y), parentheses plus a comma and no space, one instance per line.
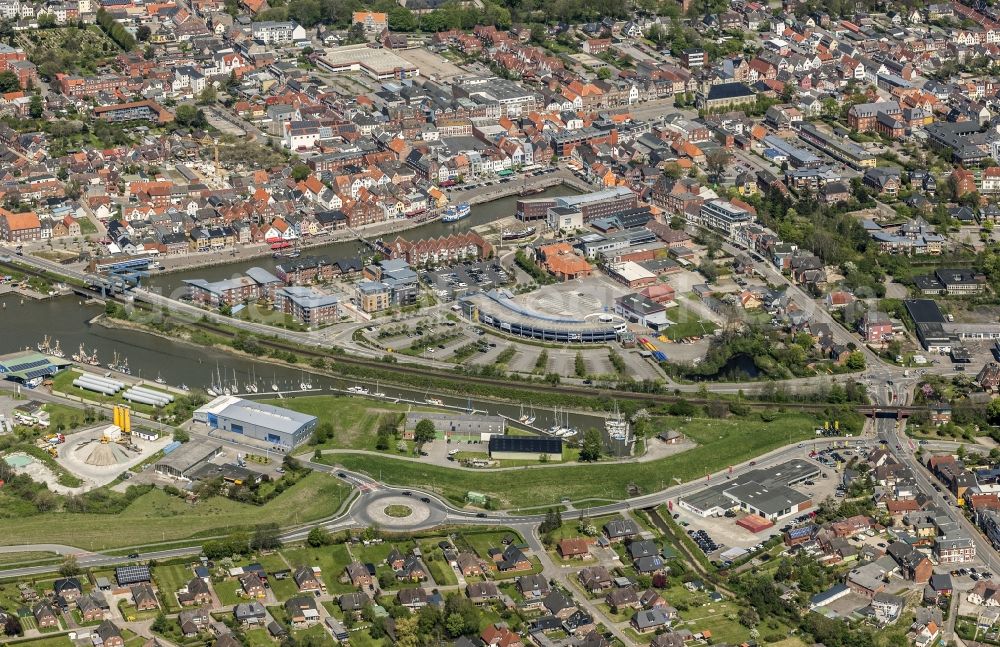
(394,511)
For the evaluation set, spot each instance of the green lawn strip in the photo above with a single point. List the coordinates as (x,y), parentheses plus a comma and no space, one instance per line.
(159,517)
(482,542)
(314,635)
(28,557)
(50,641)
(169,579)
(720,443)
(229,591)
(258,638)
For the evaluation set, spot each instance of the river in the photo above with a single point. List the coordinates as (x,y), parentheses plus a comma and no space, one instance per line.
(170,283)
(66,319)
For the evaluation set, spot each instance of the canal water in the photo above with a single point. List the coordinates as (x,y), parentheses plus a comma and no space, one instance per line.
(170,283)
(66,319)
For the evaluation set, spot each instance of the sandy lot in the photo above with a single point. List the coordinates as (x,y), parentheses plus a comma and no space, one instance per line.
(430,64)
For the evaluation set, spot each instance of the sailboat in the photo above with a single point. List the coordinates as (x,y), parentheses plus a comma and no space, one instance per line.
(211,388)
(274,382)
(377,393)
(522,417)
(159,379)
(531,417)
(304,384)
(113,364)
(437,402)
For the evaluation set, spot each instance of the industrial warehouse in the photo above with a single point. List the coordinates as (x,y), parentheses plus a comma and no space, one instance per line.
(282,427)
(766,493)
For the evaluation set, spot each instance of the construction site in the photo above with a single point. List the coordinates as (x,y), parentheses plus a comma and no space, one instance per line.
(100,454)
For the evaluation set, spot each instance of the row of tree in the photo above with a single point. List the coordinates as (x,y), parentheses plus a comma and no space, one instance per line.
(115,30)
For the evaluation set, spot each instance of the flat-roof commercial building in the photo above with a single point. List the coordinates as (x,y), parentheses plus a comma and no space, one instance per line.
(460,426)
(842,150)
(766,493)
(497,308)
(379,64)
(264,422)
(187,458)
(525,448)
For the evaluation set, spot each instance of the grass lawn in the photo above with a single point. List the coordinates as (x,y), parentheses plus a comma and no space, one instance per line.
(687,323)
(377,553)
(316,635)
(720,618)
(719,443)
(331,559)
(362,638)
(229,591)
(354,420)
(61,414)
(157,516)
(170,579)
(51,641)
(284,589)
(258,638)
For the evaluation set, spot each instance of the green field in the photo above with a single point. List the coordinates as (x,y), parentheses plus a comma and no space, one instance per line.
(170,579)
(720,443)
(354,420)
(156,517)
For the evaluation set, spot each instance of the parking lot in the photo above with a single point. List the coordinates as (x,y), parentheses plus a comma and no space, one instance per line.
(454,281)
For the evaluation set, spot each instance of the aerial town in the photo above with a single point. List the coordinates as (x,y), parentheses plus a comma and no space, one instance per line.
(483,323)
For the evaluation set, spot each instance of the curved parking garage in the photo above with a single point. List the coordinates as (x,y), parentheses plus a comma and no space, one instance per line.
(497,309)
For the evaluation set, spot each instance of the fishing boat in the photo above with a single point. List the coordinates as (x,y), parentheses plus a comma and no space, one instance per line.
(93,360)
(517,234)
(43,346)
(124,367)
(437,402)
(159,379)
(80,355)
(56,351)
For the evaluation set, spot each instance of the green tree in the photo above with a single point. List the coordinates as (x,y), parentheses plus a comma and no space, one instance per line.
(300,172)
(266,536)
(856,361)
(424,432)
(318,537)
(9,82)
(36,108)
(592,447)
(208,96)
(70,567)
(993,411)
(604,73)
(143,33)
(580,366)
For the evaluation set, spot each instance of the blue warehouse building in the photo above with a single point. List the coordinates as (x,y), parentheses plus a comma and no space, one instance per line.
(263,422)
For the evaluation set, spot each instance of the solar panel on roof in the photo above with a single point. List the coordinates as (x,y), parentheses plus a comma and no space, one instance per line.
(38,372)
(132,574)
(26,365)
